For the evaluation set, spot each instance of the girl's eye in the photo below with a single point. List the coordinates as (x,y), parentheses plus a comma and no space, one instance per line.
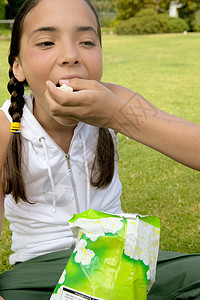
(88,43)
(45,44)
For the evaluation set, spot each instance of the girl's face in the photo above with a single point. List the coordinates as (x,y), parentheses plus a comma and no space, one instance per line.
(59,41)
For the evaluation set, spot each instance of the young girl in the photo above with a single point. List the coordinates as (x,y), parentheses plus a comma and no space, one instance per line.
(51,167)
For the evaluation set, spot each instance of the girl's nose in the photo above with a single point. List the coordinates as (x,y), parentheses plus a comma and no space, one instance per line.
(70,62)
(68,55)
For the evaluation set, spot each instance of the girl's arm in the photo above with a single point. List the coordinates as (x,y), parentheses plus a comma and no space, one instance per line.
(4,140)
(116,107)
(140,120)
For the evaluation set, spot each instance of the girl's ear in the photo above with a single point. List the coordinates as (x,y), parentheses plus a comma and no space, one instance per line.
(18,70)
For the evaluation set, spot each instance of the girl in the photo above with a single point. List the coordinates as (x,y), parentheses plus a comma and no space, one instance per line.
(51,167)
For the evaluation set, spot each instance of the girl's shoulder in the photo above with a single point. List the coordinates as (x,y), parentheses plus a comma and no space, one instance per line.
(4,108)
(5,120)
(5,134)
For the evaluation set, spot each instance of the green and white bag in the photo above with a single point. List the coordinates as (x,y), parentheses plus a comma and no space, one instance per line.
(115,257)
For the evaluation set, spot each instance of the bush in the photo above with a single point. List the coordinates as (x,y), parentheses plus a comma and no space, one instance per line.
(195,21)
(2,9)
(2,14)
(146,12)
(170,25)
(149,24)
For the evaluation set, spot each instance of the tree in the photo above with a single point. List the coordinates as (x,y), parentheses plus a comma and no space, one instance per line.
(190,7)
(12,8)
(128,8)
(102,5)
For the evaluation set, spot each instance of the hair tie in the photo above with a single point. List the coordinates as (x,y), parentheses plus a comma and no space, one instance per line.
(15,127)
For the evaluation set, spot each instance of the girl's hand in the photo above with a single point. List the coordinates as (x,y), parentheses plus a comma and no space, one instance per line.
(1,298)
(92,102)
(112,106)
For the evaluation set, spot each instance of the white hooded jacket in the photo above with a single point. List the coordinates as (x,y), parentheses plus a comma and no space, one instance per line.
(58,185)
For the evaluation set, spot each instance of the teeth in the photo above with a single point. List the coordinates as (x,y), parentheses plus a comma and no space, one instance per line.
(65,88)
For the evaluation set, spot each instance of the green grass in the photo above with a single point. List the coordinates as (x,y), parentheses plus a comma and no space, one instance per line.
(4,46)
(166,70)
(4,31)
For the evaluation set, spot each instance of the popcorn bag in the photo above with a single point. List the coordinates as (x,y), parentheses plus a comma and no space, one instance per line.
(115,257)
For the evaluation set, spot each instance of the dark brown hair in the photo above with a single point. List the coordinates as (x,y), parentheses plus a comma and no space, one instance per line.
(103,166)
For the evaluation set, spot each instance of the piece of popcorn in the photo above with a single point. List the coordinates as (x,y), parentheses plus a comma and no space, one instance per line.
(65,88)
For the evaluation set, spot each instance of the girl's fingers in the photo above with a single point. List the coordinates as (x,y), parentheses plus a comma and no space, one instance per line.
(59,96)
(91,105)
(60,110)
(81,84)
(84,91)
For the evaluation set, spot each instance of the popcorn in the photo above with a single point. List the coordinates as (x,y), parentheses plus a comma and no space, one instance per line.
(65,88)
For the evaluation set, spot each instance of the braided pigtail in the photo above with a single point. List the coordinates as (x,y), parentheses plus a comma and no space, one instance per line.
(13,182)
(12,173)
(103,166)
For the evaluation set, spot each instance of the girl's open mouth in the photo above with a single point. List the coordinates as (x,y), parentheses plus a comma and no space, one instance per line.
(58,85)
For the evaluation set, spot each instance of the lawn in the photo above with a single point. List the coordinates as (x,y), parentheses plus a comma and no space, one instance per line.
(166,70)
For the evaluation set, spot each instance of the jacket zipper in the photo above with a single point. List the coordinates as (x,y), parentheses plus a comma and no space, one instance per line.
(73,182)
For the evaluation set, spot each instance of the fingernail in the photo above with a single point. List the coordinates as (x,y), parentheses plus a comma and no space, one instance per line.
(63,81)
